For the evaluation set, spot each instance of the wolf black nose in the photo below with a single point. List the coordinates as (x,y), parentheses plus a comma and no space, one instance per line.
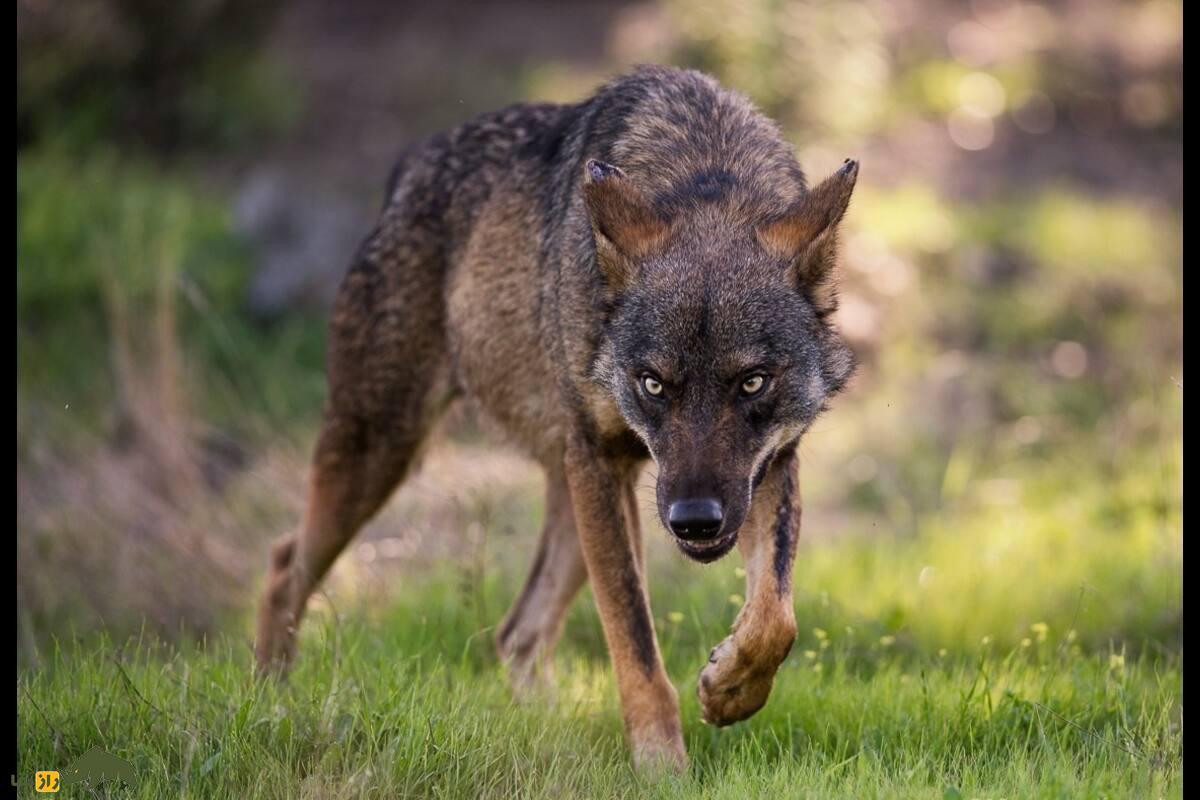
(695,520)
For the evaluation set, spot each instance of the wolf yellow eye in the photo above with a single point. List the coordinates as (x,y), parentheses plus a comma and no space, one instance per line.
(652,386)
(753,385)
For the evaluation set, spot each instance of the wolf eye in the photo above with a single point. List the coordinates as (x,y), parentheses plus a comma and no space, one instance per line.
(753,385)
(652,386)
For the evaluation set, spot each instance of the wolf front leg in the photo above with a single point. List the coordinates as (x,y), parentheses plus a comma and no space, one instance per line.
(741,669)
(649,703)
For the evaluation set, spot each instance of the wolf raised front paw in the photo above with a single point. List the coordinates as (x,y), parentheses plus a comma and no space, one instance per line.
(733,685)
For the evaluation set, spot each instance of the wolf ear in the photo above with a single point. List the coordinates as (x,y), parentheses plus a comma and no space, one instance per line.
(806,235)
(625,225)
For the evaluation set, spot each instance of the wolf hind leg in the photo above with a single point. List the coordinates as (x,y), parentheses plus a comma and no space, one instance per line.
(389,382)
(527,637)
(353,474)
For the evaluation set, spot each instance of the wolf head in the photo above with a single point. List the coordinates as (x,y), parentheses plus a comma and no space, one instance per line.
(717,346)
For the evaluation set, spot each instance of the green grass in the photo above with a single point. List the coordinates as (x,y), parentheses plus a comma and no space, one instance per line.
(405,699)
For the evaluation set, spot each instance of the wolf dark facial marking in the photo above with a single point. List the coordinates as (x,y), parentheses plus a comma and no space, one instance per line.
(787,522)
(645,274)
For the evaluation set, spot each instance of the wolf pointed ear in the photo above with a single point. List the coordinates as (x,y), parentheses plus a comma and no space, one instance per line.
(626,226)
(806,235)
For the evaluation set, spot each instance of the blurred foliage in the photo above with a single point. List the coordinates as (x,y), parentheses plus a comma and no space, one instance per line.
(851,69)
(164,77)
(108,252)
(1018,328)
(1012,283)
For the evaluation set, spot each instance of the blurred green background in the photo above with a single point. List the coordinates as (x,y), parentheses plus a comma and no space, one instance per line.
(192,179)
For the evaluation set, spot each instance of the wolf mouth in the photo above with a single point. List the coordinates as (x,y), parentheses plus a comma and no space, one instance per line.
(707,552)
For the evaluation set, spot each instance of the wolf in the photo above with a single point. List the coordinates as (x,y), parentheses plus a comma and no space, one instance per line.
(643,275)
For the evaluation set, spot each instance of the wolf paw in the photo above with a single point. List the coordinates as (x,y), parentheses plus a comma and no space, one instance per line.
(530,674)
(732,686)
(660,754)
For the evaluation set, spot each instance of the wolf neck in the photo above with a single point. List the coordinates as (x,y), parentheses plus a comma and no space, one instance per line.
(688,142)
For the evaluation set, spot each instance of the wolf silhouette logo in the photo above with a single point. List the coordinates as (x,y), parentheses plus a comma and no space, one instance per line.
(96,766)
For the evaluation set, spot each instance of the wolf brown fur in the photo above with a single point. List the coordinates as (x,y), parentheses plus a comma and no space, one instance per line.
(558,264)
